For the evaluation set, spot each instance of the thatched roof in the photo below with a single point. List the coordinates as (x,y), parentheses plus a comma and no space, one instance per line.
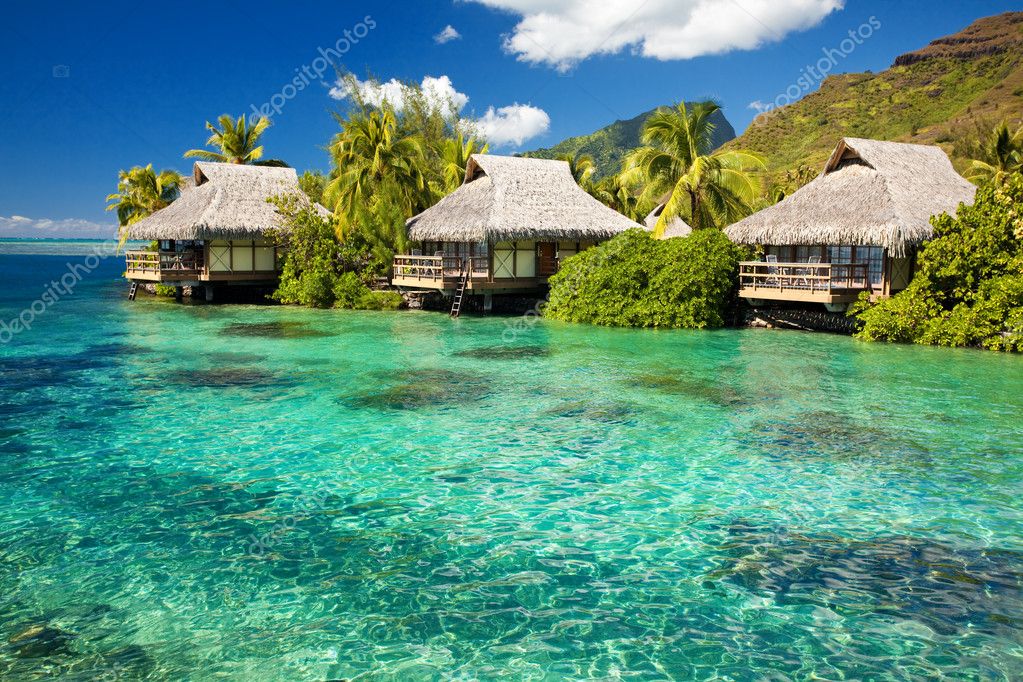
(676,228)
(504,198)
(223,201)
(870,193)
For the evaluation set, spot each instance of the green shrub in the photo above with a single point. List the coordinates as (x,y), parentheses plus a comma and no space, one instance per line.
(968,290)
(348,290)
(634,280)
(379,300)
(319,270)
(166,290)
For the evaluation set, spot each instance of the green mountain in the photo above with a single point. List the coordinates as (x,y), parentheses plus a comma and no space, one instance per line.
(609,145)
(942,94)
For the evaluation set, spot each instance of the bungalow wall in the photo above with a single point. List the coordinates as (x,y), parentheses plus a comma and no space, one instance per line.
(237,256)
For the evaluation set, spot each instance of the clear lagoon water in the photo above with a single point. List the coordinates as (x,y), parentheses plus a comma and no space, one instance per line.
(264,493)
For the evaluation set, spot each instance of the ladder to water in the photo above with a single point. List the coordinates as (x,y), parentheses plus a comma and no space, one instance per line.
(133,290)
(463,282)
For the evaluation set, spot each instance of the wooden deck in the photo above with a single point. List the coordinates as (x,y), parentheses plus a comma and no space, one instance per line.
(184,267)
(826,283)
(443,273)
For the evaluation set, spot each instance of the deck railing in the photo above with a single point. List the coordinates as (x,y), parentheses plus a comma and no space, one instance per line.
(165,262)
(811,277)
(440,268)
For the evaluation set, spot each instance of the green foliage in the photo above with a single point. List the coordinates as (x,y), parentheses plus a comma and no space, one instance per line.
(609,145)
(140,193)
(1000,154)
(704,187)
(787,184)
(392,163)
(370,151)
(319,270)
(968,290)
(166,290)
(235,141)
(616,192)
(379,300)
(454,155)
(313,183)
(634,280)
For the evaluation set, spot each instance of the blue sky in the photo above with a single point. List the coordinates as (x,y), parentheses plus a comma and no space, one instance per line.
(89,89)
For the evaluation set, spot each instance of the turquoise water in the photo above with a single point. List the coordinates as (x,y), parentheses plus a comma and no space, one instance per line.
(239,492)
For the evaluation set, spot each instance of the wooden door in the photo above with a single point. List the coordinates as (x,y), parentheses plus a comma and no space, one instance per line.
(546,259)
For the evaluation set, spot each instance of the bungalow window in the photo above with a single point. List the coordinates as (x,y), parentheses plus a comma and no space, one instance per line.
(872,256)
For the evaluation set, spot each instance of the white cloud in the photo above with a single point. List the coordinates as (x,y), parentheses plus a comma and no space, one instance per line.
(513,124)
(439,91)
(447,35)
(47,228)
(501,126)
(561,33)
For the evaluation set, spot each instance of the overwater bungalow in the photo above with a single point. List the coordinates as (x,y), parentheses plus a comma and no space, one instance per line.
(215,233)
(855,228)
(505,230)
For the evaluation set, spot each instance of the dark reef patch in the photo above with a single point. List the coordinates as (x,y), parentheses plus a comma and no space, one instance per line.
(233,357)
(505,352)
(409,389)
(224,377)
(826,433)
(274,330)
(28,372)
(949,589)
(702,389)
(603,412)
(40,640)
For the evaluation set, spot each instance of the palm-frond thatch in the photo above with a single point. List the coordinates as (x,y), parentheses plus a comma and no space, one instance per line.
(676,228)
(870,193)
(504,198)
(223,201)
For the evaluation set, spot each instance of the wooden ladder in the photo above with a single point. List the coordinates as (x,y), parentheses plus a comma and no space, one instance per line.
(133,290)
(463,282)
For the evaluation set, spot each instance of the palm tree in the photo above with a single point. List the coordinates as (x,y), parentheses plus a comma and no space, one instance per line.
(581,166)
(780,187)
(369,152)
(706,188)
(454,156)
(1002,156)
(237,142)
(614,192)
(140,193)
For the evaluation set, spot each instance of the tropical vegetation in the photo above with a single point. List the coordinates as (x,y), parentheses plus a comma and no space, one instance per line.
(635,280)
(968,289)
(999,156)
(455,152)
(609,146)
(679,165)
(235,141)
(320,270)
(140,192)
